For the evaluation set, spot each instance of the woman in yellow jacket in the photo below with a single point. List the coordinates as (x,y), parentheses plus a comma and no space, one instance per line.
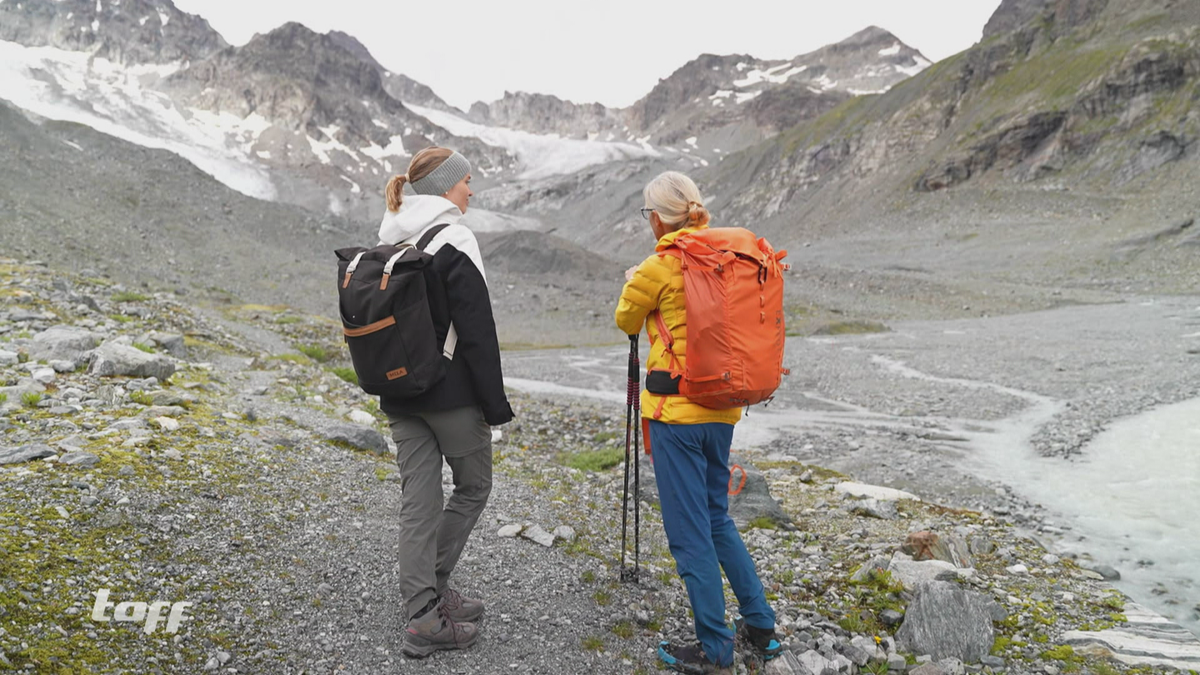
(690,445)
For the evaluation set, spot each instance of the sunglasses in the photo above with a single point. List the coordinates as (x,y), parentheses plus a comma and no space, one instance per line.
(646,213)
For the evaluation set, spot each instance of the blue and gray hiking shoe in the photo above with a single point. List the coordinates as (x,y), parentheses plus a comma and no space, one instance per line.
(689,659)
(764,641)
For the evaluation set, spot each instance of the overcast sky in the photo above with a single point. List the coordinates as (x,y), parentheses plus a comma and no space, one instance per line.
(612,52)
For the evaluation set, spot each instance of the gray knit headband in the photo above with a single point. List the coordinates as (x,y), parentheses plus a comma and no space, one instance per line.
(440,180)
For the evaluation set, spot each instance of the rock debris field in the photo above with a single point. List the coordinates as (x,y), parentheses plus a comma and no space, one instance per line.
(167,453)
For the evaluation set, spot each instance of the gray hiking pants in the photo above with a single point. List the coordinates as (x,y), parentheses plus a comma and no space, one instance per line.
(432,535)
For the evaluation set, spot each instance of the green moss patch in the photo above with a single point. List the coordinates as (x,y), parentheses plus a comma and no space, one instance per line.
(593,460)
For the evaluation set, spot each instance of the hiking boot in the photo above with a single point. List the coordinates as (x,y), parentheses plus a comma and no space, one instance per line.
(459,607)
(763,640)
(690,660)
(434,629)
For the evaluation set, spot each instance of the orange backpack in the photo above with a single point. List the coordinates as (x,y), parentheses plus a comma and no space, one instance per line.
(733,292)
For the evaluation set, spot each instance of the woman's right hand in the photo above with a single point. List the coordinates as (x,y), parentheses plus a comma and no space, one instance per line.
(630,272)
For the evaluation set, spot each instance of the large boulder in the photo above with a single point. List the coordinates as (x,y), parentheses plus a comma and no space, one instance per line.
(931,546)
(172,343)
(947,621)
(865,491)
(26,453)
(357,436)
(787,663)
(913,573)
(113,359)
(754,499)
(62,343)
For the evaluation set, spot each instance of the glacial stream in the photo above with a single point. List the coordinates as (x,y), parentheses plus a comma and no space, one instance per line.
(1135,495)
(1131,501)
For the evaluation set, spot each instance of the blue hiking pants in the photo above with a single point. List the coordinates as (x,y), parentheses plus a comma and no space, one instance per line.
(691,467)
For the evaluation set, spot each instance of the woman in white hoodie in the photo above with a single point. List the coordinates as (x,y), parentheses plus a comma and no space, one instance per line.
(452,421)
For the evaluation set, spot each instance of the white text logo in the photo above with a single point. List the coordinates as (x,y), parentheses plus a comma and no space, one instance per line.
(139,611)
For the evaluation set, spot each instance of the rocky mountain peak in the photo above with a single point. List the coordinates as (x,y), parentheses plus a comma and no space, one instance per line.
(868,36)
(291,72)
(1063,14)
(291,36)
(545,113)
(125,31)
(1012,14)
(400,87)
(352,45)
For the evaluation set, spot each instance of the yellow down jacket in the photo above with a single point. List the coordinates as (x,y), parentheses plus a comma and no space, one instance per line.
(658,285)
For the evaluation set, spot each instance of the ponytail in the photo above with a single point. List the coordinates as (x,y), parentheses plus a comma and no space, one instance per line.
(697,215)
(394,192)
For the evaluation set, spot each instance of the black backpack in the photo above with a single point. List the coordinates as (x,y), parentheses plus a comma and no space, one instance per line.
(384,303)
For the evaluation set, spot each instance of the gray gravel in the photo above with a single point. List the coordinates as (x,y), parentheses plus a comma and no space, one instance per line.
(220,486)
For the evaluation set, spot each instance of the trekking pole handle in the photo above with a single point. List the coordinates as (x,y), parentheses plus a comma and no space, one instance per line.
(635,370)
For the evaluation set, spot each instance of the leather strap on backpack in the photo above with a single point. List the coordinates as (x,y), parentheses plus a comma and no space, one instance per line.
(420,246)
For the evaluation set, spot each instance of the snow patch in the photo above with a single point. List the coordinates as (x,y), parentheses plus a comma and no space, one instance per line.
(322,149)
(771,75)
(142,21)
(395,148)
(73,87)
(164,18)
(890,51)
(73,145)
(921,64)
(95,25)
(744,96)
(539,155)
(824,83)
(354,188)
(691,140)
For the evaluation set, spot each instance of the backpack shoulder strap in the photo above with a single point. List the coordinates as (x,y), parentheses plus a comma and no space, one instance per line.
(429,235)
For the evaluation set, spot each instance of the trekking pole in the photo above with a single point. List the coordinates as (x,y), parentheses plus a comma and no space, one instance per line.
(631,398)
(635,378)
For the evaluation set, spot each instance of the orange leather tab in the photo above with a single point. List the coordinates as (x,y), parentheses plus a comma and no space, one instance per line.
(372,328)
(346,281)
(397,373)
(384,282)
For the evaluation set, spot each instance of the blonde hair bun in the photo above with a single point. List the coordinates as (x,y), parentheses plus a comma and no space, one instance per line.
(677,200)
(697,214)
